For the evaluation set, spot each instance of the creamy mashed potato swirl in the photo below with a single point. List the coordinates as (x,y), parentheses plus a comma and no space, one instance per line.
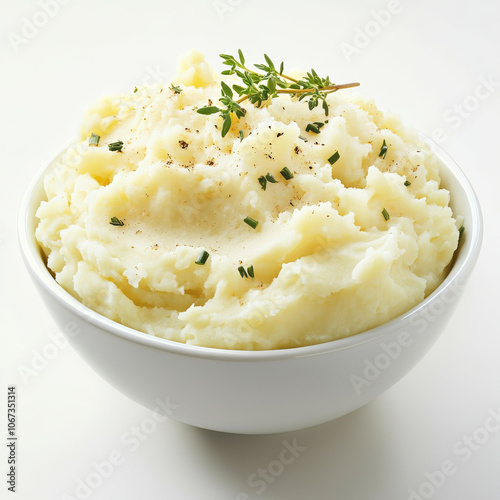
(327,263)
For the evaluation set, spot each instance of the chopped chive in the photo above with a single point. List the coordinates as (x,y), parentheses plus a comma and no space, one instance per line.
(177,90)
(286,173)
(251,222)
(407,183)
(314,127)
(242,272)
(250,272)
(386,215)
(135,90)
(270,178)
(241,135)
(202,258)
(115,221)
(461,232)
(383,150)
(94,139)
(335,156)
(115,146)
(263,182)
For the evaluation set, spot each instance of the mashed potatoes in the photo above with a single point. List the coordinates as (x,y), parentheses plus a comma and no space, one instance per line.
(337,249)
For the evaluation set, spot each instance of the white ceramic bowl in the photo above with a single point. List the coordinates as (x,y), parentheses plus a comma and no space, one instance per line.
(260,391)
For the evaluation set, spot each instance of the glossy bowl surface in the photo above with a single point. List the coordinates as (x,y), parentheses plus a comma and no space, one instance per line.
(260,391)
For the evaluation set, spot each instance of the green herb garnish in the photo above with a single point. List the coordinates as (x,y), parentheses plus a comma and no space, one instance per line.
(231,107)
(407,183)
(314,127)
(383,150)
(251,222)
(286,173)
(335,157)
(94,139)
(263,182)
(270,178)
(208,110)
(202,258)
(261,86)
(115,221)
(241,135)
(135,90)
(115,146)
(386,215)
(246,273)
(176,89)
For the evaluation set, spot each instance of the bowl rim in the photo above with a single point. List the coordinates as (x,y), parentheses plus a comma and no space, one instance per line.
(31,254)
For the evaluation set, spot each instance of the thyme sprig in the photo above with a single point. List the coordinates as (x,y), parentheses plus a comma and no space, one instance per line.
(261,86)
(231,106)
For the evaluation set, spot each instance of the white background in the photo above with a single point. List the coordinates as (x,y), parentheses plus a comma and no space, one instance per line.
(427,63)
